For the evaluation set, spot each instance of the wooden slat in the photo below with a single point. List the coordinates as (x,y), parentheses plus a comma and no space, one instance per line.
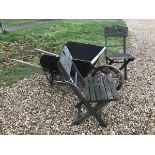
(97,89)
(68,64)
(64,63)
(87,89)
(66,60)
(102,89)
(75,78)
(107,88)
(118,56)
(113,88)
(92,91)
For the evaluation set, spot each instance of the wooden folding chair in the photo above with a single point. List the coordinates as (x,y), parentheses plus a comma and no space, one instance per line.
(99,89)
(123,57)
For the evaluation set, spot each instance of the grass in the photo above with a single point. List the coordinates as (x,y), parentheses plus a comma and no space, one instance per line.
(51,36)
(9,22)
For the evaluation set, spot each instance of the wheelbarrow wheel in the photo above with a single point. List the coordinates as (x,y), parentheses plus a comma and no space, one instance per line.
(109,70)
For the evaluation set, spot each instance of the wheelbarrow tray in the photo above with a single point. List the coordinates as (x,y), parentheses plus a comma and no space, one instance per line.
(84,56)
(84,52)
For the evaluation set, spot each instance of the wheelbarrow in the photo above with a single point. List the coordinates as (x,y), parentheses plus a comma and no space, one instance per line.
(85,57)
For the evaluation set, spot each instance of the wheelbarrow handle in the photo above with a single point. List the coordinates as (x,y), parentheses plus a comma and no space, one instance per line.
(98,55)
(46,52)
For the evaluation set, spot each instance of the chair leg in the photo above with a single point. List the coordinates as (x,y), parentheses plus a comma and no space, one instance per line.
(79,111)
(98,118)
(91,111)
(111,62)
(125,68)
(106,61)
(125,72)
(78,104)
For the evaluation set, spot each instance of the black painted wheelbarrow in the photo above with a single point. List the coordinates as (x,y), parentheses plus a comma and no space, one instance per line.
(85,57)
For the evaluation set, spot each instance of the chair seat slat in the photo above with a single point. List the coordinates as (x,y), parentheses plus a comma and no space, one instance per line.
(113,88)
(102,89)
(119,56)
(97,90)
(87,90)
(107,88)
(92,90)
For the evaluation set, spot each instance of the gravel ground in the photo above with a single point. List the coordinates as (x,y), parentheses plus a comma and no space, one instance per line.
(31,106)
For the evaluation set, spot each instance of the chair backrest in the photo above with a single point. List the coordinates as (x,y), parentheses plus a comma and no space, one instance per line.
(118,32)
(69,72)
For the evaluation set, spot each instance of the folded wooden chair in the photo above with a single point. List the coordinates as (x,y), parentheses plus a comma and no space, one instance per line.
(123,56)
(99,89)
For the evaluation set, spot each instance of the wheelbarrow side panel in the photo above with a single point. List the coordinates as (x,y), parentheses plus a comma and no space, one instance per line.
(83,56)
(84,67)
(83,51)
(49,63)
